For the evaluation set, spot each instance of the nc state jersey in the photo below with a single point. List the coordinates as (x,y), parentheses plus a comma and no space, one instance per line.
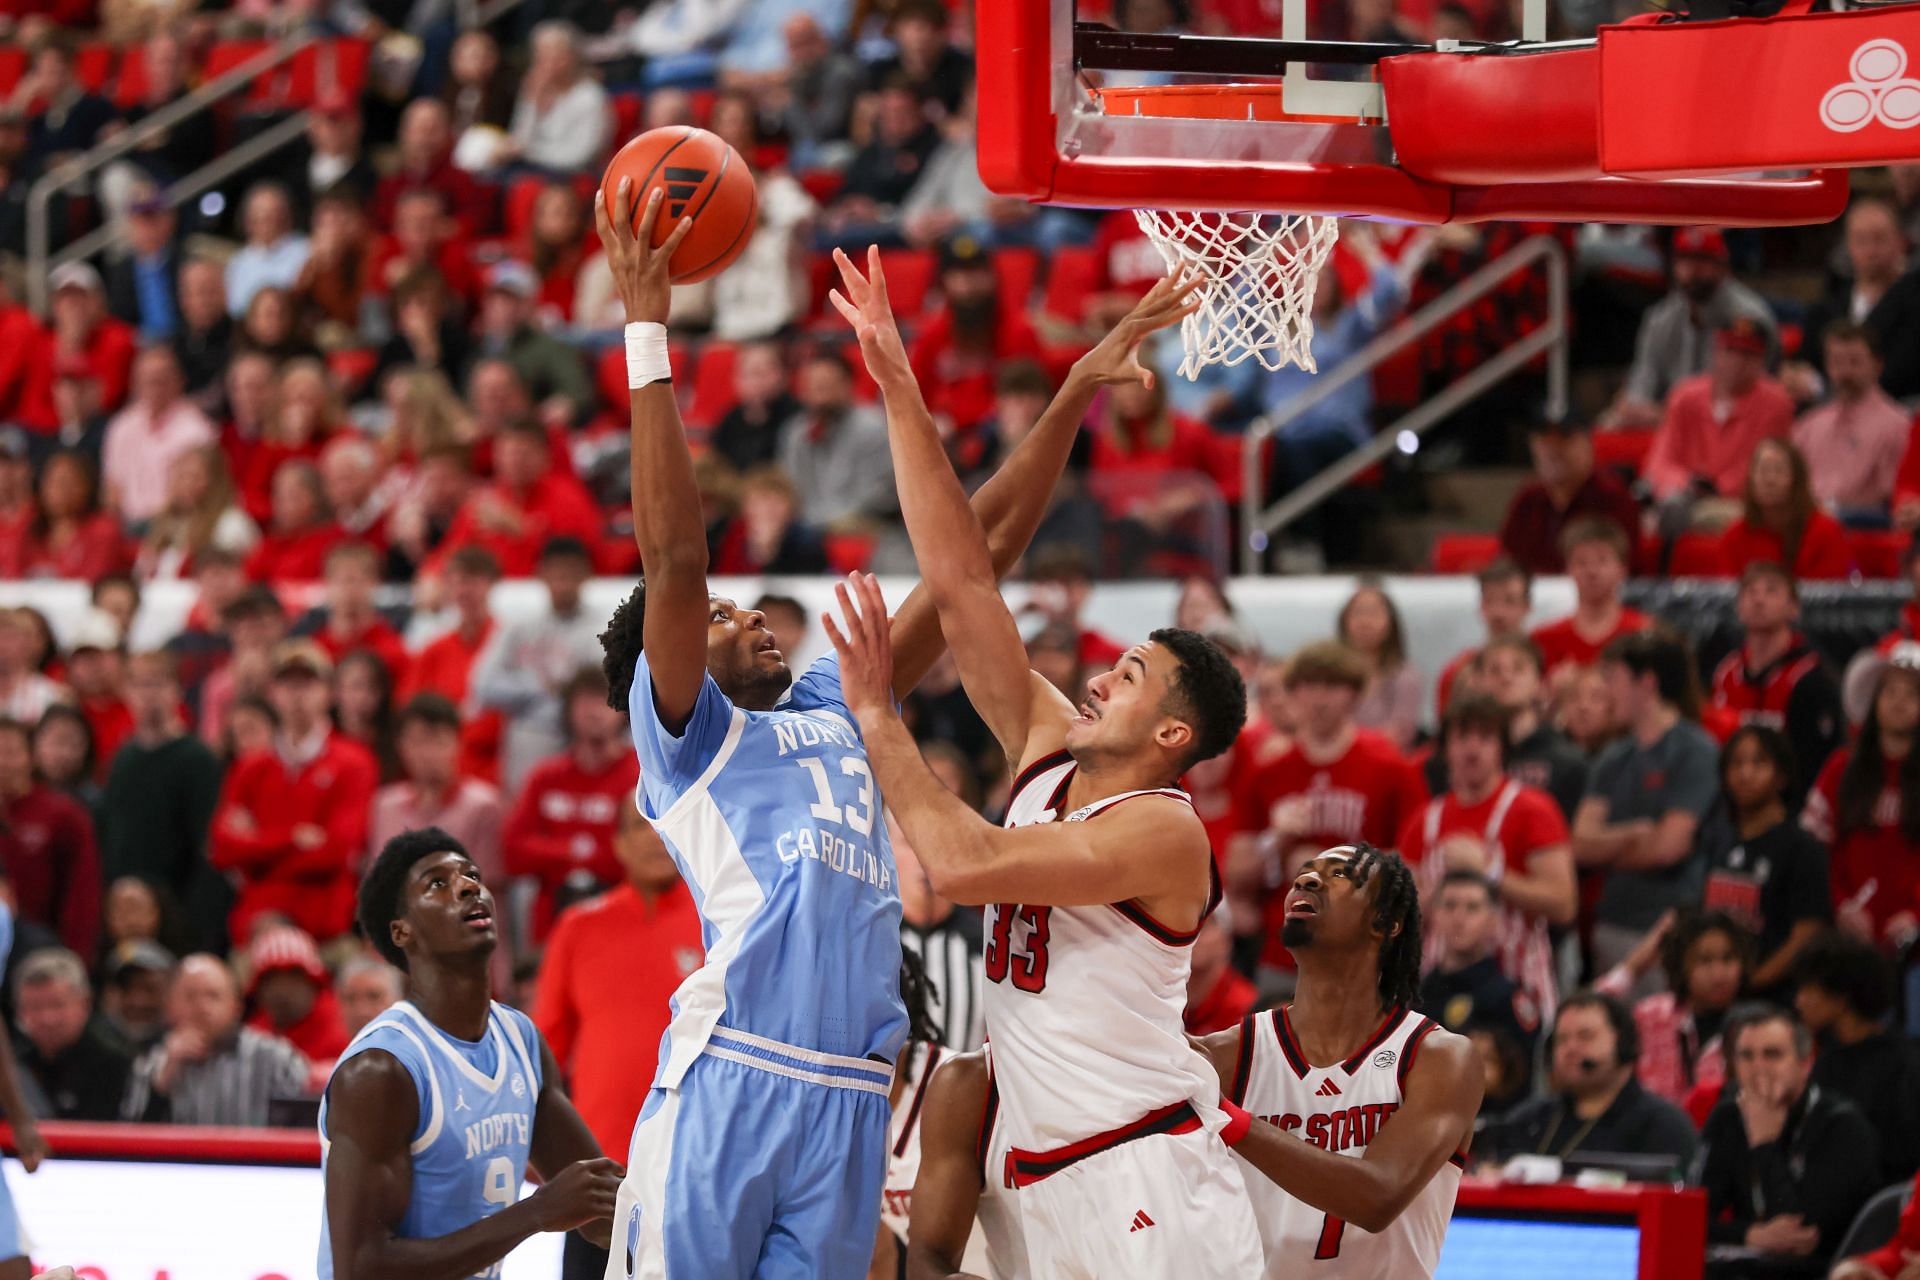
(903,1137)
(996,1248)
(1339,1108)
(1084,1004)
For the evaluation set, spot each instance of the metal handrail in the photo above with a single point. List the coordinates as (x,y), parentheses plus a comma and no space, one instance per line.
(1260,524)
(60,177)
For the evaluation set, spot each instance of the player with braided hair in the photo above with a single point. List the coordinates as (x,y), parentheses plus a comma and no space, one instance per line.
(1357,1109)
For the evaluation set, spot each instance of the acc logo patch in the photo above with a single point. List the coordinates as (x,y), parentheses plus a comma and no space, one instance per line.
(519,1085)
(1385,1058)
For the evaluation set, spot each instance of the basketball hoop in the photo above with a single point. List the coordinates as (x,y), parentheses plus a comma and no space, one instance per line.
(1260,272)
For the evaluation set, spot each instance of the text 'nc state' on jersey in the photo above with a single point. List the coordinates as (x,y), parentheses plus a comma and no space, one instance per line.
(1338,1130)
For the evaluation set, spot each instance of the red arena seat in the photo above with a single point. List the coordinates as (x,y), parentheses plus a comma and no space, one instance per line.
(1464,552)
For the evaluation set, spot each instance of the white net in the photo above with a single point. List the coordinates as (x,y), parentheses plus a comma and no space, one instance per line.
(1260,271)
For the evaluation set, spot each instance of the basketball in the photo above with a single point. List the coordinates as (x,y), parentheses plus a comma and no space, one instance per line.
(704,179)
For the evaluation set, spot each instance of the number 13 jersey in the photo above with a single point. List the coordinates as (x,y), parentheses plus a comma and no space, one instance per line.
(1084,1004)
(1339,1109)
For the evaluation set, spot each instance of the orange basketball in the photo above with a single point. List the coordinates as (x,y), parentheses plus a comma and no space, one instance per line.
(705,180)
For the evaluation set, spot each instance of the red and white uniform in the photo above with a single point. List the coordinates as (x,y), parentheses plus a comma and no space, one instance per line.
(1338,1108)
(1762,695)
(997,1234)
(903,1137)
(1514,823)
(1111,1116)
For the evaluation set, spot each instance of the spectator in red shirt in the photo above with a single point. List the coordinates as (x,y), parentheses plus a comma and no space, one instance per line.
(1596,553)
(1897,1258)
(561,829)
(426,241)
(1781,523)
(82,330)
(1714,420)
(1514,835)
(73,538)
(962,344)
(25,391)
(47,849)
(305,414)
(97,672)
(1565,488)
(292,821)
(554,246)
(292,997)
(445,665)
(529,502)
(426,160)
(1218,995)
(1866,808)
(1775,677)
(348,619)
(299,532)
(1506,598)
(1336,784)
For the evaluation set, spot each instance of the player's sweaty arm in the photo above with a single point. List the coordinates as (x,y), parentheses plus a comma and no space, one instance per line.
(1435,1120)
(561,1139)
(969,859)
(946,1194)
(371,1113)
(667,522)
(963,549)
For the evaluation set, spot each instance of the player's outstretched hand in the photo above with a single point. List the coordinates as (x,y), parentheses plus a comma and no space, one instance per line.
(583,1192)
(1117,358)
(31,1147)
(864,302)
(865,648)
(640,271)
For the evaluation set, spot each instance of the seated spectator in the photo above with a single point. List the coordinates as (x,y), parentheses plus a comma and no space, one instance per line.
(363,708)
(1781,523)
(1336,784)
(1597,1104)
(357,493)
(85,334)
(1506,598)
(529,503)
(884,170)
(1677,333)
(1763,869)
(1513,835)
(96,672)
(1715,421)
(555,247)
(1153,474)
(274,327)
(300,530)
(426,160)
(65,757)
(768,536)
(1706,958)
(1776,677)
(445,665)
(63,117)
(70,1059)
(23,389)
(292,822)
(72,538)
(336,165)
(143,439)
(18,507)
(1865,807)
(957,351)
(210,1069)
(1539,755)
(331,289)
(201,512)
(254,624)
(811,102)
(749,435)
(1646,795)
(249,728)
(950,198)
(552,371)
(1845,995)
(1588,718)
(1218,995)
(369,986)
(200,646)
(348,619)
(835,450)
(562,118)
(1597,559)
(924,58)
(1465,988)
(561,830)
(204,339)
(133,994)
(292,995)
(79,427)
(25,691)
(1370,626)
(140,284)
(274,251)
(47,848)
(1059,584)
(1854,443)
(1565,490)
(1879,292)
(426,241)
(1785,1167)
(428,339)
(480,87)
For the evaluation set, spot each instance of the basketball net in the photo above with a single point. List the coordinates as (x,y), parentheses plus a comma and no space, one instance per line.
(1260,272)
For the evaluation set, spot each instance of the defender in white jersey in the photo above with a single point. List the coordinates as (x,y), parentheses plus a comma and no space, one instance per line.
(1101,878)
(965,1215)
(1363,1109)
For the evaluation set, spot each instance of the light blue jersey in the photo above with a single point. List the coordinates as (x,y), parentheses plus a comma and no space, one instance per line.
(469,1148)
(777,827)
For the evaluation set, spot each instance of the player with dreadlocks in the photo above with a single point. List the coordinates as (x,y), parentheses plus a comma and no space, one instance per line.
(1362,1108)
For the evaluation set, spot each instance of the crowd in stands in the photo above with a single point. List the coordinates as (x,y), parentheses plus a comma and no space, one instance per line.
(1674,906)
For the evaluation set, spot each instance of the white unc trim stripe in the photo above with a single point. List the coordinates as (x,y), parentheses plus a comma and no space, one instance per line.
(794,1073)
(866,1065)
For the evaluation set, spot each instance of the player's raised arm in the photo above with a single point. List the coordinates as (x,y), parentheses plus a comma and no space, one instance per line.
(667,523)
(946,1194)
(1434,1121)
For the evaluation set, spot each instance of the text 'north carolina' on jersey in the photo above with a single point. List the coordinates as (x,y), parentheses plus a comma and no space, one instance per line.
(777,827)
(469,1147)
(1084,1004)
(1339,1109)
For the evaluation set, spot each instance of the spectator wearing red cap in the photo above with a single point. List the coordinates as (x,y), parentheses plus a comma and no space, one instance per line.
(1714,420)
(426,160)
(144,438)
(1676,334)
(1565,488)
(1780,523)
(1854,442)
(292,822)
(529,502)
(562,827)
(292,997)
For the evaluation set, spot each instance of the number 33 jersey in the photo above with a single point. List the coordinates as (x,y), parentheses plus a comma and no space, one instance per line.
(1084,1004)
(1338,1108)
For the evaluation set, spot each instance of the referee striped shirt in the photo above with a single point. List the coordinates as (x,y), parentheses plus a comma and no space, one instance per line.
(231,1085)
(950,950)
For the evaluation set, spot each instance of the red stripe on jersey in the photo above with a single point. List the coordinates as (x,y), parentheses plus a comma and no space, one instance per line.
(1030,1167)
(988,1114)
(1243,1065)
(1374,1041)
(1035,769)
(1411,1048)
(919,1096)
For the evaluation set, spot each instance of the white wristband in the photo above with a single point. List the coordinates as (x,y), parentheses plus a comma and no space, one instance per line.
(647,355)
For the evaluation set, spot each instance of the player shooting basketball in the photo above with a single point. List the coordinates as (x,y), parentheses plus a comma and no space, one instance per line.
(1100,880)
(762,1148)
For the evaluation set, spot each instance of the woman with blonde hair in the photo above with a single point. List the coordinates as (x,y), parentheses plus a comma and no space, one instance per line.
(425,415)
(201,511)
